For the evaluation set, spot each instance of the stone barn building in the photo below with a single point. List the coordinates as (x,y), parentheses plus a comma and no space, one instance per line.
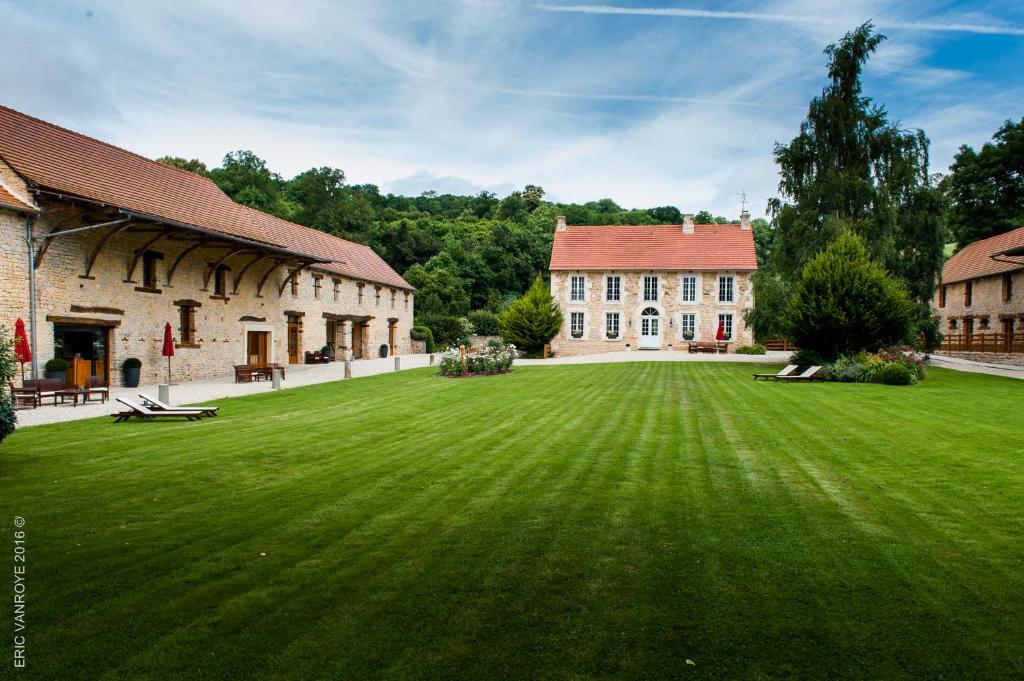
(652,287)
(100,247)
(980,301)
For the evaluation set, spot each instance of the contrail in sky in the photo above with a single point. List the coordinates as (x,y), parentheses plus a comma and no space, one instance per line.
(676,12)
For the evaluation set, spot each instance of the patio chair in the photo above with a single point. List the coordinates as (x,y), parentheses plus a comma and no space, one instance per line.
(96,385)
(785,372)
(157,405)
(140,412)
(809,374)
(25,397)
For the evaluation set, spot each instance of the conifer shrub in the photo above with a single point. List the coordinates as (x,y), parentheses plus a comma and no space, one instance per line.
(845,303)
(532,320)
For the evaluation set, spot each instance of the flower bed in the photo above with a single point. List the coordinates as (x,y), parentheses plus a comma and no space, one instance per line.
(494,359)
(891,367)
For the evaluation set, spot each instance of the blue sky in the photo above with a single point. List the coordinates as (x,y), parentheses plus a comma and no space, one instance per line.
(675,103)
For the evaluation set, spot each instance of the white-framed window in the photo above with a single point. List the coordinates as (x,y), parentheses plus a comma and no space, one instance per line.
(725,323)
(688,326)
(576,324)
(577,288)
(726,289)
(651,287)
(689,288)
(613,289)
(611,325)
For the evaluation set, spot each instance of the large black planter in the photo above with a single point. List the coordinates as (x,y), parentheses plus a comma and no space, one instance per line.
(59,375)
(131,376)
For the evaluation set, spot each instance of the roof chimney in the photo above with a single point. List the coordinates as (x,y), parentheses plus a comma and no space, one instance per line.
(687,223)
(560,226)
(745,220)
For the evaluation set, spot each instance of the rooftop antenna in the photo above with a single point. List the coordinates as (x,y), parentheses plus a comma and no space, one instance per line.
(743,200)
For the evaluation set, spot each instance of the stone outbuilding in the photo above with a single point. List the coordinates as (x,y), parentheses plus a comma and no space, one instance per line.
(100,247)
(980,300)
(652,287)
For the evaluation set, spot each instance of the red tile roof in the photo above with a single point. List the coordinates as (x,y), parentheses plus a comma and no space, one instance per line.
(975,259)
(67,162)
(653,247)
(9,200)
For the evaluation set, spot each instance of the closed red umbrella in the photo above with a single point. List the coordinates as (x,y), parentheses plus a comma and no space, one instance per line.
(22,350)
(721,331)
(168,350)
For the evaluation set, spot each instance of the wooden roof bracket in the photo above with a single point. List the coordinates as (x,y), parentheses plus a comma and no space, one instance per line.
(134,261)
(263,280)
(122,225)
(213,268)
(59,227)
(291,275)
(183,255)
(246,268)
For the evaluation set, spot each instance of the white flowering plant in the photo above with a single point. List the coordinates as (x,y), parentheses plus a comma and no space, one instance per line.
(489,360)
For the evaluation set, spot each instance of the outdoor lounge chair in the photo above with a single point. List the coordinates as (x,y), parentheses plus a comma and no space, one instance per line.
(809,374)
(140,412)
(785,372)
(157,405)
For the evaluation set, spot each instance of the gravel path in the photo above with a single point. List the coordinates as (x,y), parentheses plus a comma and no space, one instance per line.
(993,368)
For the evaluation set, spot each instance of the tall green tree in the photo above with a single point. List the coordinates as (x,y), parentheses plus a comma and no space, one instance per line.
(986,187)
(193,165)
(850,167)
(244,177)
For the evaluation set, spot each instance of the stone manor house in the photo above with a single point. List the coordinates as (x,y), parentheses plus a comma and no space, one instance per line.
(652,287)
(121,245)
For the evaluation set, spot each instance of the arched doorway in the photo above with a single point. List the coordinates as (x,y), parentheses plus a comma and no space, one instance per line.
(650,328)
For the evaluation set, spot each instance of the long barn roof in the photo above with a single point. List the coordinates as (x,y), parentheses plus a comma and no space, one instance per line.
(63,161)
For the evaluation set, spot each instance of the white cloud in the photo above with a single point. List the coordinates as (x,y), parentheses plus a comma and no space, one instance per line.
(418,96)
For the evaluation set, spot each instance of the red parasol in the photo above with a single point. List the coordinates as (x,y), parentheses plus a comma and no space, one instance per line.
(168,350)
(22,350)
(721,331)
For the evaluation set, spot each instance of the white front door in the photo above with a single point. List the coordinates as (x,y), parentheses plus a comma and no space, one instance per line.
(650,328)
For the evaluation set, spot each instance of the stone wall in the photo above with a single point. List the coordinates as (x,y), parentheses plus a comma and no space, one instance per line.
(1016,359)
(987,309)
(480,342)
(136,315)
(670,306)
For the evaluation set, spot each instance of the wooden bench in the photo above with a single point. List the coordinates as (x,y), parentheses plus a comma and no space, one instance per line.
(247,373)
(713,347)
(41,388)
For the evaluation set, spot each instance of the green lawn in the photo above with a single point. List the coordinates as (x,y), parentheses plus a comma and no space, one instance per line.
(572,522)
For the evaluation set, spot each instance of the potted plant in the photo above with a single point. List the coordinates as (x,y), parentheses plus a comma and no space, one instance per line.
(131,369)
(56,368)
(688,335)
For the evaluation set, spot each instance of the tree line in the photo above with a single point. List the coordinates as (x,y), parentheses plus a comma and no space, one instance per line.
(466,255)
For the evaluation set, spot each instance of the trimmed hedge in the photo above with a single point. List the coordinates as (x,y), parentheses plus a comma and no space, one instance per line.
(485,322)
(56,364)
(423,333)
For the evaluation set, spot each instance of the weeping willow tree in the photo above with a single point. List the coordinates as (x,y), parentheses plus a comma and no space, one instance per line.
(850,168)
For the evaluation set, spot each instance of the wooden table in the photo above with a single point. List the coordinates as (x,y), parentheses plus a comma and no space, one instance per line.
(74,394)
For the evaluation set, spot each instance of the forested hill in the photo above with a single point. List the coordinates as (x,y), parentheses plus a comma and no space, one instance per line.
(462,253)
